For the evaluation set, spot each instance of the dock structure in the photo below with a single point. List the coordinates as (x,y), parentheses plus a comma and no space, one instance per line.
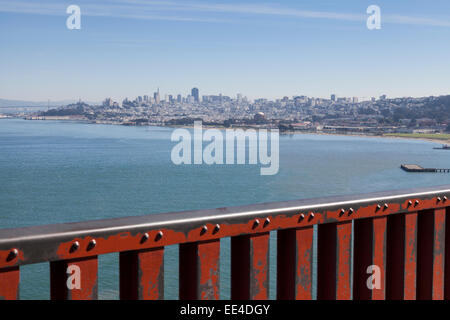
(417,168)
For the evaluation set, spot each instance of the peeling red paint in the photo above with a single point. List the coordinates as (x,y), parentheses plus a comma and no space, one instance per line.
(151,270)
(304,246)
(259,247)
(343,263)
(208,260)
(438,256)
(142,274)
(410,271)
(379,255)
(9,283)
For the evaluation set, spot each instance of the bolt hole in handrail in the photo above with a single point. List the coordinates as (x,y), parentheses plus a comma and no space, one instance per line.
(386,245)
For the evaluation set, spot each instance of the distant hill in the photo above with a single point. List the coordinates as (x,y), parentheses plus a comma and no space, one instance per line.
(22,103)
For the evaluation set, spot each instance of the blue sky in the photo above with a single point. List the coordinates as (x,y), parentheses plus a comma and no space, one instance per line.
(127,48)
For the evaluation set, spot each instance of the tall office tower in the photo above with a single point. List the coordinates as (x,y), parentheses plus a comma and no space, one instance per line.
(239,97)
(145,98)
(195,93)
(333,97)
(156,97)
(355,99)
(179,98)
(170,98)
(107,102)
(383,97)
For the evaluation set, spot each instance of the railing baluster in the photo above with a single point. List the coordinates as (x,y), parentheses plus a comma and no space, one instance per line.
(430,255)
(438,254)
(250,267)
(334,261)
(401,257)
(410,256)
(294,264)
(379,257)
(60,273)
(199,270)
(370,251)
(447,256)
(142,274)
(9,283)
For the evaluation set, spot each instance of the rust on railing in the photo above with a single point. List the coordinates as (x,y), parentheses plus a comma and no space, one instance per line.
(403,233)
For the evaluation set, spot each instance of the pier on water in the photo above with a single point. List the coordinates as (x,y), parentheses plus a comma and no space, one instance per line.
(417,168)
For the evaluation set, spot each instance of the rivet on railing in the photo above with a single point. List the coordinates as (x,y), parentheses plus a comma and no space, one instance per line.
(12,254)
(204,230)
(301,218)
(386,206)
(416,203)
(91,244)
(378,208)
(159,236)
(439,199)
(311,216)
(266,222)
(216,228)
(256,223)
(342,212)
(410,203)
(145,237)
(445,198)
(74,247)
(351,211)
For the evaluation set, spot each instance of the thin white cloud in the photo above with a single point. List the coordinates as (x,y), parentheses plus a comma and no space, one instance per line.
(195,11)
(103,10)
(399,19)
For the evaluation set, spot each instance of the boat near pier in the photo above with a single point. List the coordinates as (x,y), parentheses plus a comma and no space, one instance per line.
(444,147)
(417,168)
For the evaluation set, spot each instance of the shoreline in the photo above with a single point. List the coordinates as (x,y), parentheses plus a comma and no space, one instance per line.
(391,136)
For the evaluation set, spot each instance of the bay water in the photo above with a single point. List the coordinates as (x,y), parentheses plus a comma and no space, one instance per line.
(57,172)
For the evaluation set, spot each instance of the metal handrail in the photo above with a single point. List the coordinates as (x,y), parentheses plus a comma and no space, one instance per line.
(44,243)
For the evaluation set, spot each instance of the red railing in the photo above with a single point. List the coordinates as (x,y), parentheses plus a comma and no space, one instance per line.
(403,233)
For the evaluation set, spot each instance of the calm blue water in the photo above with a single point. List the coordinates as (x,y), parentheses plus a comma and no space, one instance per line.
(53,172)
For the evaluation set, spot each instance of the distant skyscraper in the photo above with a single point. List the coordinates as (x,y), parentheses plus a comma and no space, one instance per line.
(383,97)
(333,97)
(156,97)
(196,94)
(179,98)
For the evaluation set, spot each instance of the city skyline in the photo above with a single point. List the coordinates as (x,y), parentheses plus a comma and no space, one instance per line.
(125,48)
